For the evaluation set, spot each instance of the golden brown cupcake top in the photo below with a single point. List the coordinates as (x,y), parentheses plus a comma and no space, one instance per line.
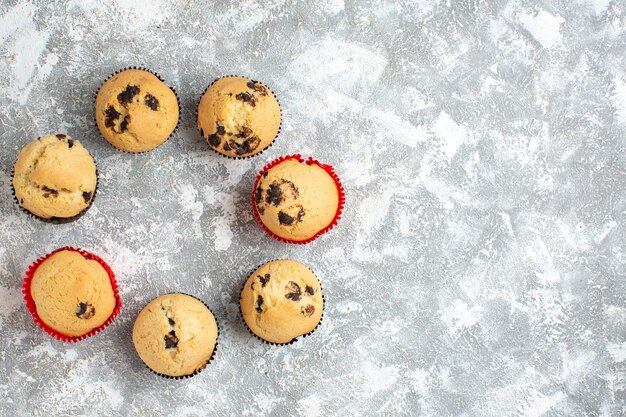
(175,334)
(281,301)
(73,295)
(136,111)
(238,117)
(296,200)
(54,176)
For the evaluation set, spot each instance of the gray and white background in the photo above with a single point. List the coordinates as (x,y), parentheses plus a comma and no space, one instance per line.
(479,267)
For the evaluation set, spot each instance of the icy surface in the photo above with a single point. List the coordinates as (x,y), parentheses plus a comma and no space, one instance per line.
(479,267)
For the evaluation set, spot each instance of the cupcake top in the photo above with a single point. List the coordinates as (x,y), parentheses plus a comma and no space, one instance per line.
(175,335)
(72,295)
(136,111)
(296,200)
(54,177)
(281,301)
(238,117)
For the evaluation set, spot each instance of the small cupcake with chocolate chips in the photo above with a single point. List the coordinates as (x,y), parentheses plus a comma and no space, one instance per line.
(238,117)
(136,111)
(175,335)
(71,294)
(281,301)
(55,178)
(296,201)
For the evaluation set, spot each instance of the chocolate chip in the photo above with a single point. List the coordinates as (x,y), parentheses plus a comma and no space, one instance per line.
(307,311)
(201,132)
(258,194)
(220,130)
(151,101)
(49,192)
(249,145)
(171,341)
(125,122)
(259,304)
(293,291)
(85,311)
(265,174)
(171,322)
(70,143)
(126,96)
(87,196)
(61,136)
(21,201)
(274,195)
(257,87)
(111,116)
(300,214)
(245,131)
(244,148)
(252,285)
(309,290)
(264,279)
(285,219)
(246,98)
(215,141)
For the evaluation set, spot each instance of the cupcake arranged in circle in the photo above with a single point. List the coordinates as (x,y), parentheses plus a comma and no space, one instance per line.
(71,293)
(281,301)
(238,117)
(297,201)
(55,179)
(175,335)
(136,111)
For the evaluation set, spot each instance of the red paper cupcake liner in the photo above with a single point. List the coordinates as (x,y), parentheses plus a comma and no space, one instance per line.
(280,126)
(156,75)
(32,308)
(295,339)
(329,169)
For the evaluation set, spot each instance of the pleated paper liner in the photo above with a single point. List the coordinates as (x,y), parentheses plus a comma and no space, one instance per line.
(340,190)
(58,220)
(162,80)
(280,127)
(197,371)
(32,308)
(295,339)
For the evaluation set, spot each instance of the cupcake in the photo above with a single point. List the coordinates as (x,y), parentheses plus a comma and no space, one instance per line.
(281,301)
(297,201)
(175,335)
(71,293)
(238,117)
(54,178)
(136,111)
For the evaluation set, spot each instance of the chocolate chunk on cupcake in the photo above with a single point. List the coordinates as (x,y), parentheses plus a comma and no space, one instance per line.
(296,201)
(72,293)
(175,335)
(54,178)
(136,111)
(281,301)
(238,117)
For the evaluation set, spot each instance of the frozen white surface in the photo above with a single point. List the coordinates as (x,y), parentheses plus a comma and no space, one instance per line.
(479,267)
